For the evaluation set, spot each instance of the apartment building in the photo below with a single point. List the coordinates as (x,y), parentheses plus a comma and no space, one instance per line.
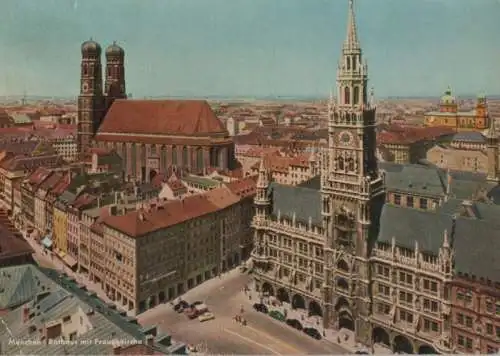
(157,253)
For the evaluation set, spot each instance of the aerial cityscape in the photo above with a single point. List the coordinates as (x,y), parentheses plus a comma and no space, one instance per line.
(195,195)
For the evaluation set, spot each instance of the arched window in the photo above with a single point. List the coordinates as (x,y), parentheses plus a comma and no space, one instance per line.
(174,155)
(85,70)
(199,158)
(354,63)
(340,163)
(347,96)
(184,156)
(355,100)
(350,164)
(343,266)
(348,63)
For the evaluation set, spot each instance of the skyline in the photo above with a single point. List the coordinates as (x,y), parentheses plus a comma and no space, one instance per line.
(196,48)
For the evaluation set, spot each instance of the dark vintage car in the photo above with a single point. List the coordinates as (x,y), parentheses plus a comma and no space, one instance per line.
(262,308)
(179,307)
(314,333)
(294,323)
(361,353)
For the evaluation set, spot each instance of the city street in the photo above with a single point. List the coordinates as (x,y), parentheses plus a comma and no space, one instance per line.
(224,297)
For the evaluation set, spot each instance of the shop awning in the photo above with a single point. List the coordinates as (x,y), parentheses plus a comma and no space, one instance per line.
(47,242)
(70,261)
(60,253)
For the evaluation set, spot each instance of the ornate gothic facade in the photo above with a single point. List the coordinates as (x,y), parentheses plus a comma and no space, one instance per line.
(344,246)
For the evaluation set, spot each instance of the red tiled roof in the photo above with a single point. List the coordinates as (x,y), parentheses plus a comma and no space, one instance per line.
(405,135)
(38,176)
(244,187)
(142,222)
(168,117)
(11,245)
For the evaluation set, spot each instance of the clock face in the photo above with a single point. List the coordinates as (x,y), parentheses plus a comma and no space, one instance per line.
(346,138)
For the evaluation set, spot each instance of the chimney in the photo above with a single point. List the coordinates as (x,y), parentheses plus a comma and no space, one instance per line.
(150,340)
(26,314)
(113,210)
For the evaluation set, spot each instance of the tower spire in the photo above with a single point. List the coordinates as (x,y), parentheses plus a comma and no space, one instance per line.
(352,32)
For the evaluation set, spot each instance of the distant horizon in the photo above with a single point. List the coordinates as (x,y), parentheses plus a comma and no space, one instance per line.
(243,97)
(252,48)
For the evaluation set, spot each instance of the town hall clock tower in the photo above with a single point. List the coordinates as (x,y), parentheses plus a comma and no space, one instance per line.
(352,192)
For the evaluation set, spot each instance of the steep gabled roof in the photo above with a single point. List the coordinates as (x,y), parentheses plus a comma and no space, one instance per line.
(164,117)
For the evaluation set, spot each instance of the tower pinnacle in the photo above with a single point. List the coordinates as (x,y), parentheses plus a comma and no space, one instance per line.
(352,32)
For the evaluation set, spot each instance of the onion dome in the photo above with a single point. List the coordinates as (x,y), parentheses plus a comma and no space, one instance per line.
(91,47)
(448,98)
(114,50)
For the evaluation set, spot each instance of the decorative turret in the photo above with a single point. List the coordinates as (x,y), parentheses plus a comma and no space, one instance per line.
(448,102)
(446,255)
(262,201)
(492,150)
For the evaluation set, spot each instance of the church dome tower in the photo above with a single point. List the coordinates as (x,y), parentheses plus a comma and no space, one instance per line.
(115,74)
(91,99)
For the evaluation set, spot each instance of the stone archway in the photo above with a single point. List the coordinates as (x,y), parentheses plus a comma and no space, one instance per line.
(298,302)
(283,295)
(381,336)
(427,350)
(315,309)
(267,288)
(343,266)
(346,320)
(152,174)
(341,303)
(402,345)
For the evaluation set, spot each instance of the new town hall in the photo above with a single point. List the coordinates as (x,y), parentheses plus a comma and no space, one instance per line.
(400,254)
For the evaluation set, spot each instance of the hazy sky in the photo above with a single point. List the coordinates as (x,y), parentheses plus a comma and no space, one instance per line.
(252,47)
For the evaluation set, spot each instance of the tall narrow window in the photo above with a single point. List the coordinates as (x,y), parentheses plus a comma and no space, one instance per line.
(355,100)
(133,158)
(199,158)
(174,155)
(184,156)
(347,96)
(163,158)
(354,63)
(348,63)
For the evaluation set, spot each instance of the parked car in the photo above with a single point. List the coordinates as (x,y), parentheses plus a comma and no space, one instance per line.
(197,310)
(312,332)
(179,307)
(277,315)
(198,302)
(206,316)
(260,308)
(294,323)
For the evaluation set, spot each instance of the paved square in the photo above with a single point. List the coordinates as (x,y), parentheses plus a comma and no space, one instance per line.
(223,335)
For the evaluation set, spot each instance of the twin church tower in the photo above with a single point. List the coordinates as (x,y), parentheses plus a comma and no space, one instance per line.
(93,102)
